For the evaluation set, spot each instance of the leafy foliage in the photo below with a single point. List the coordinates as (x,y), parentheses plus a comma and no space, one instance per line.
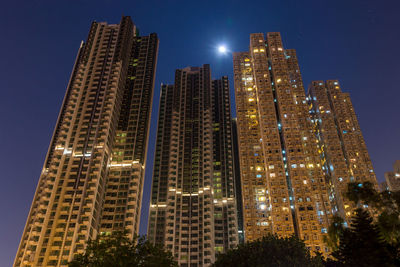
(269,251)
(384,206)
(118,250)
(334,232)
(362,245)
(373,239)
(363,192)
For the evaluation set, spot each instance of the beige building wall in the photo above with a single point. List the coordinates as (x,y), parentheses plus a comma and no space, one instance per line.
(93,174)
(393,178)
(343,150)
(283,185)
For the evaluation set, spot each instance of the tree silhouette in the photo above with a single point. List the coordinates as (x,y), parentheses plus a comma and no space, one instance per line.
(384,206)
(334,231)
(269,251)
(362,245)
(117,250)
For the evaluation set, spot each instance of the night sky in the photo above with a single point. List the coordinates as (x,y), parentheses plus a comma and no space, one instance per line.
(356,42)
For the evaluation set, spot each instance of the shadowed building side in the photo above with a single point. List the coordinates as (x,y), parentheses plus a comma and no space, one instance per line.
(225,213)
(238,187)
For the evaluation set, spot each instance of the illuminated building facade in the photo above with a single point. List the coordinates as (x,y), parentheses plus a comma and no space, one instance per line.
(92,179)
(192,206)
(393,178)
(283,185)
(343,150)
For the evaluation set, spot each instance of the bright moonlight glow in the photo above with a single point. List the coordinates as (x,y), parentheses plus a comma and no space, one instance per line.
(222,49)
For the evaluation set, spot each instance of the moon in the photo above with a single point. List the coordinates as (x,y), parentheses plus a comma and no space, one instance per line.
(222,49)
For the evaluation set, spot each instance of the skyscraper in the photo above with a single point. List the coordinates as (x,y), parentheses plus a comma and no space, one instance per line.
(192,208)
(342,147)
(283,185)
(393,178)
(92,179)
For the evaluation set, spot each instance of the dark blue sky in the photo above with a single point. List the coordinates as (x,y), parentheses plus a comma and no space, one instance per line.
(354,41)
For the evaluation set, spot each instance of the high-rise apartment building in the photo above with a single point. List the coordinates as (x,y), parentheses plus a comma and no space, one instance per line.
(342,147)
(393,178)
(92,179)
(192,206)
(283,185)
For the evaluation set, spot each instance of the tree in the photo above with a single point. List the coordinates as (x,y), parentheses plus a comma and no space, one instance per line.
(269,251)
(118,250)
(363,192)
(362,245)
(334,231)
(384,206)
